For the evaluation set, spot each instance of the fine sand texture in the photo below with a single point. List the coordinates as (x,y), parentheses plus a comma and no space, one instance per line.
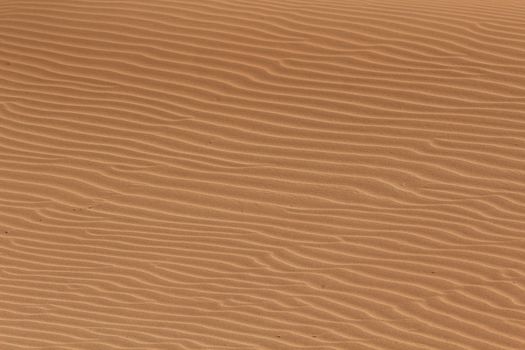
(262,175)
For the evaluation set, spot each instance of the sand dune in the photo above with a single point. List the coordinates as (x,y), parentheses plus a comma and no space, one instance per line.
(237,174)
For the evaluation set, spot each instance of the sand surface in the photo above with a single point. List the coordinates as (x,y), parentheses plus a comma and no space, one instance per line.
(249,175)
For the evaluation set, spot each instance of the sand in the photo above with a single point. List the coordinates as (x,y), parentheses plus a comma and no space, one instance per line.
(249,175)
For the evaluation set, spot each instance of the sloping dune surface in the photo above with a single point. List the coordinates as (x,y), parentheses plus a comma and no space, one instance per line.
(249,175)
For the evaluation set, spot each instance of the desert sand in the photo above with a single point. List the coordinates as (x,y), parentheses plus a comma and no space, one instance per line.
(262,175)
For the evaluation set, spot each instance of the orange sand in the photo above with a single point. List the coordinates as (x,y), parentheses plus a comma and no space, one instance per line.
(249,175)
